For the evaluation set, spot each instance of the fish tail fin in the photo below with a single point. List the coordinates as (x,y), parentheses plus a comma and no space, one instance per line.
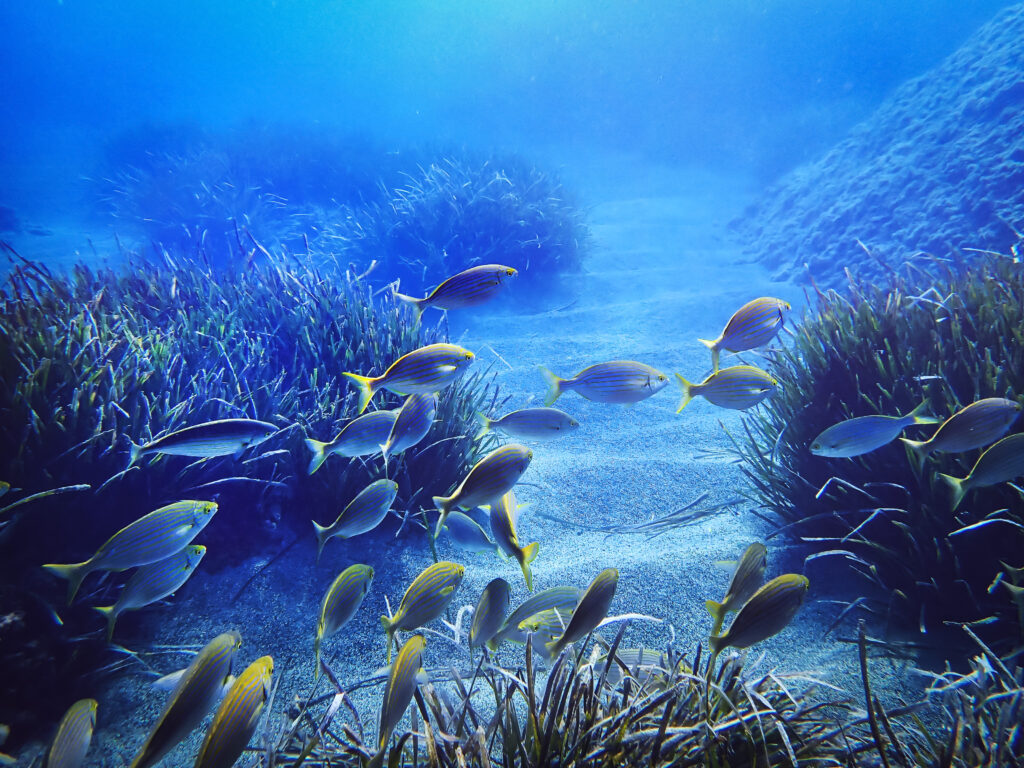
(687,388)
(554,383)
(318,453)
(713,346)
(717,643)
(110,615)
(714,608)
(920,415)
(492,645)
(366,388)
(134,455)
(444,506)
(918,451)
(529,555)
(485,424)
(321,538)
(958,488)
(75,573)
(416,305)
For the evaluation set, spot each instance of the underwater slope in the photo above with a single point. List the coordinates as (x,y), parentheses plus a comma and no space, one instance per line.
(939,166)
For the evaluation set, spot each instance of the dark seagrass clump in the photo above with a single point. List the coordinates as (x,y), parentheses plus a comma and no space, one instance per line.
(949,338)
(456,213)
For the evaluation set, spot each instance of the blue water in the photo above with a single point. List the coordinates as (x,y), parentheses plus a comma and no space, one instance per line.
(662,120)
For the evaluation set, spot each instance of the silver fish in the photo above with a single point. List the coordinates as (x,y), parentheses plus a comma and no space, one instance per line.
(362,436)
(739,388)
(425,599)
(746,579)
(488,480)
(864,434)
(74,735)
(466,534)
(972,427)
(554,597)
(149,539)
(590,611)
(489,613)
(999,463)
(405,674)
(617,381)
(364,513)
(237,716)
(214,438)
(753,325)
(504,520)
(530,424)
(341,602)
(153,582)
(422,371)
(414,420)
(766,613)
(468,288)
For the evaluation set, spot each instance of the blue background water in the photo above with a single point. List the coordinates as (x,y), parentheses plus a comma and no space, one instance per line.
(758,86)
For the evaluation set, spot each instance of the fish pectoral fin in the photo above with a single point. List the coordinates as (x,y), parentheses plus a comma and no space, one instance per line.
(447,591)
(226,686)
(181,530)
(447,369)
(421,677)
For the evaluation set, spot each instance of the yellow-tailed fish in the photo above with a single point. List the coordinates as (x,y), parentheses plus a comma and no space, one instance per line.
(149,539)
(530,424)
(214,438)
(546,627)
(425,599)
(405,674)
(153,582)
(466,534)
(972,427)
(466,289)
(590,611)
(753,325)
(555,597)
(746,580)
(422,371)
(999,463)
(489,479)
(617,381)
(74,734)
(414,420)
(766,613)
(364,513)
(237,716)
(197,690)
(489,614)
(739,387)
(504,517)
(864,434)
(341,602)
(362,436)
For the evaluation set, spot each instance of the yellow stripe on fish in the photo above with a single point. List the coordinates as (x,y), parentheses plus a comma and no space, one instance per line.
(422,371)
(739,387)
(362,436)
(214,438)
(340,604)
(765,614)
(74,735)
(504,519)
(864,434)
(590,611)
(753,325)
(414,420)
(403,678)
(425,599)
(554,597)
(746,580)
(364,513)
(237,716)
(149,539)
(488,480)
(974,426)
(617,381)
(468,288)
(196,692)
(1000,463)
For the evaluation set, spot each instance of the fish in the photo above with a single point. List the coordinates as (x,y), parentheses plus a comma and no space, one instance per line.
(468,288)
(589,612)
(341,602)
(413,422)
(617,381)
(74,735)
(504,517)
(237,716)
(362,436)
(746,579)
(153,582)
(422,371)
(489,479)
(997,464)
(4,487)
(149,539)
(364,513)
(489,614)
(753,325)
(529,424)
(977,425)
(199,688)
(403,677)
(648,667)
(466,534)
(546,626)
(766,613)
(739,388)
(214,438)
(425,599)
(553,597)
(864,434)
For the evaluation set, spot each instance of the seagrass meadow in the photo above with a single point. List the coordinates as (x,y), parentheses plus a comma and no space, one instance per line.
(96,358)
(948,337)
